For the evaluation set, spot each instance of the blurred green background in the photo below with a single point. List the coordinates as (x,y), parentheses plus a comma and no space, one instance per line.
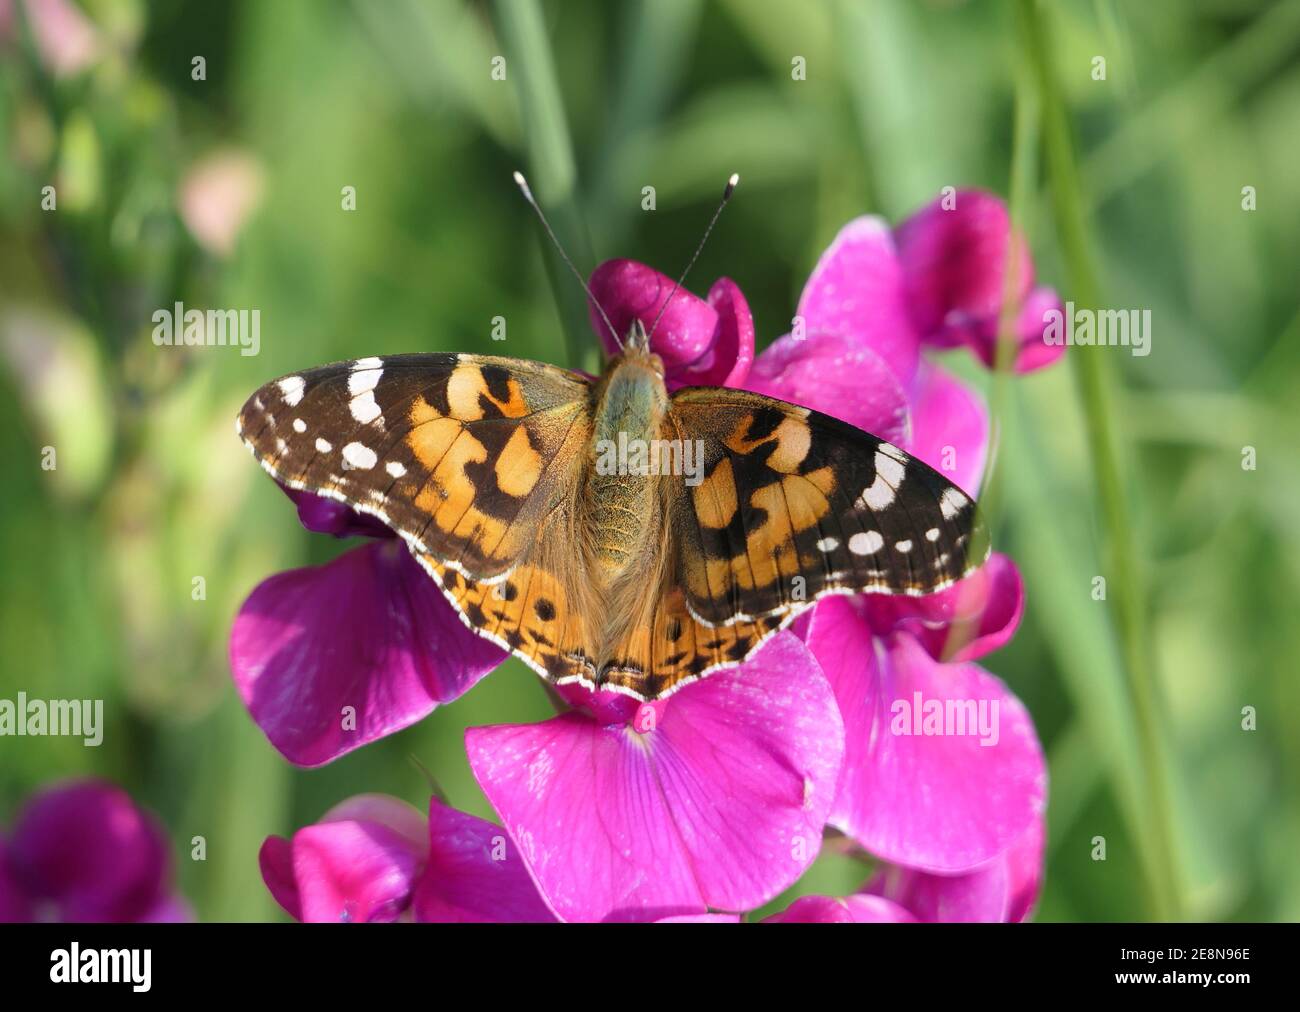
(1130,189)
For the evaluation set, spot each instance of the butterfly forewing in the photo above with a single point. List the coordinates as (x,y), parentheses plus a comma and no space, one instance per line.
(462,455)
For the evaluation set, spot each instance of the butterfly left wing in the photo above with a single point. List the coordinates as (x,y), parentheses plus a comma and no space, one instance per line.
(462,455)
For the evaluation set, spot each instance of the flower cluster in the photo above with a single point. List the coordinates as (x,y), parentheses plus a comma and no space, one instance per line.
(710,804)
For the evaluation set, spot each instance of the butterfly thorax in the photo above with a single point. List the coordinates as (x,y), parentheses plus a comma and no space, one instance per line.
(622,492)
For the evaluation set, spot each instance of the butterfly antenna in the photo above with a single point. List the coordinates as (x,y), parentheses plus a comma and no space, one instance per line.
(522,183)
(732,183)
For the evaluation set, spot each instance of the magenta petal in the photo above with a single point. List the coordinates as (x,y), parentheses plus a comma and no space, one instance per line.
(729,357)
(15,907)
(721,806)
(979,895)
(701,919)
(938,802)
(1025,872)
(1031,327)
(275,859)
(857,909)
(474,873)
(369,631)
(954,265)
(856,290)
(86,852)
(972,618)
(1005,889)
(837,375)
(630,290)
(950,428)
(354,871)
(329,516)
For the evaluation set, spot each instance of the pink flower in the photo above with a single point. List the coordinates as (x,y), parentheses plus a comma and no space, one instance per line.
(328,658)
(84,852)
(1002,890)
(375,858)
(717,803)
(703,342)
(955,276)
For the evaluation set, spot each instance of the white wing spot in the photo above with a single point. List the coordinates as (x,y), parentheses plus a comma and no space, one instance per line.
(364,408)
(889,475)
(903,546)
(951,503)
(890,450)
(866,543)
(361,380)
(395,468)
(291,388)
(299,425)
(324,446)
(360,456)
(373,362)
(828,544)
(932,534)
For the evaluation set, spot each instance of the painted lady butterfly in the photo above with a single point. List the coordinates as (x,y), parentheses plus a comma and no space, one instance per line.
(637,579)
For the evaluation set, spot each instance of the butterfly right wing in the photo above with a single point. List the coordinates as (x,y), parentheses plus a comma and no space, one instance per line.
(793,504)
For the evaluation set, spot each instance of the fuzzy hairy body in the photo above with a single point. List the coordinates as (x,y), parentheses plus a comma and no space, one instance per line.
(622,515)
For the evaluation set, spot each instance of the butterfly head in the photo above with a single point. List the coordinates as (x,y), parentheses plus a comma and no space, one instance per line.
(636,351)
(637,339)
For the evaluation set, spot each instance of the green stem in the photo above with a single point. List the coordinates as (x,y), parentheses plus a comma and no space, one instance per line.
(654,43)
(552,172)
(1121,557)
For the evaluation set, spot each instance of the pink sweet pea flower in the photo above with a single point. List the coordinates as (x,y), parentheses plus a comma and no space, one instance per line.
(955,266)
(703,342)
(1004,889)
(328,658)
(84,852)
(375,858)
(714,799)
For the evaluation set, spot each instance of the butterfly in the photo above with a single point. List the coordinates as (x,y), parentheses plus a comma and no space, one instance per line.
(606,531)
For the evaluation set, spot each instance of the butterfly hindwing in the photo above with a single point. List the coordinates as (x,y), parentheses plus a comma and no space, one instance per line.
(462,455)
